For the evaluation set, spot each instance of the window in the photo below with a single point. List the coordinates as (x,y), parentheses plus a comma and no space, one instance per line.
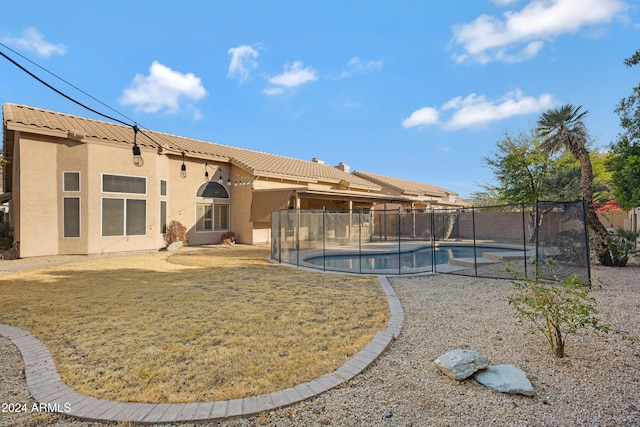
(124,184)
(221,217)
(71,217)
(163,217)
(124,217)
(204,217)
(71,181)
(163,207)
(212,207)
(212,190)
(136,217)
(112,217)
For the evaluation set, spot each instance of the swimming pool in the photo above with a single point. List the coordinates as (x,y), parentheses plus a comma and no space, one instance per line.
(417,260)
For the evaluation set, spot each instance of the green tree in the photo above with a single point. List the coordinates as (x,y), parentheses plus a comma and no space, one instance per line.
(624,162)
(519,168)
(563,128)
(525,174)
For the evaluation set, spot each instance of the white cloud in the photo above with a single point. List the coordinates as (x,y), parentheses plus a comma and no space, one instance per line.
(162,88)
(423,117)
(476,111)
(294,75)
(33,41)
(357,66)
(243,60)
(273,91)
(503,2)
(520,35)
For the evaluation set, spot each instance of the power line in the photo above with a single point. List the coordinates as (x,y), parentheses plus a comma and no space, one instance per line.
(59,92)
(63,80)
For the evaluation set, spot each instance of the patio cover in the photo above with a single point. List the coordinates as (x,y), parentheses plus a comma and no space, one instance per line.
(264,202)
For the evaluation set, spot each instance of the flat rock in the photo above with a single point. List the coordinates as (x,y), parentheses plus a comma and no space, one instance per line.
(460,364)
(505,379)
(175,246)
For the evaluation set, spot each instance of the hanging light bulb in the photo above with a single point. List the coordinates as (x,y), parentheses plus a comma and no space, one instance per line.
(183,168)
(229,181)
(137,156)
(206,172)
(220,177)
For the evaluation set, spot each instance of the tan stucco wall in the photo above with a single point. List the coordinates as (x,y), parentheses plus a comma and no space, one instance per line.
(37,229)
(117,160)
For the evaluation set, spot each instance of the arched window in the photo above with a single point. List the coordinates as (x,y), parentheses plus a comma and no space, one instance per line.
(212,207)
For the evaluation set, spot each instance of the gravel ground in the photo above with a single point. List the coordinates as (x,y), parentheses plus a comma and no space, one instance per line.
(596,384)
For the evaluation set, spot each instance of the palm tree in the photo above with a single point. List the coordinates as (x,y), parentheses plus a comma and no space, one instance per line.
(564,128)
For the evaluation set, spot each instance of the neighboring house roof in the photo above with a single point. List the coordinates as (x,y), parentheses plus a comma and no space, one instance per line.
(406,187)
(39,121)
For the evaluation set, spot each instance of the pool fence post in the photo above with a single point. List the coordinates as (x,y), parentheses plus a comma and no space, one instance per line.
(537,234)
(360,241)
(524,239)
(385,221)
(586,238)
(324,232)
(473,222)
(280,233)
(298,237)
(432,225)
(398,224)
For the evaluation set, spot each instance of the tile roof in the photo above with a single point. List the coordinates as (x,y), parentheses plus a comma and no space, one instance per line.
(405,186)
(259,163)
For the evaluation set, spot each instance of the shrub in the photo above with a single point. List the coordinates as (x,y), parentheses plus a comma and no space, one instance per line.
(175,232)
(6,235)
(556,309)
(620,247)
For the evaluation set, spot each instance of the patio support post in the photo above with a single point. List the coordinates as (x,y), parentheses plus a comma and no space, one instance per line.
(413,215)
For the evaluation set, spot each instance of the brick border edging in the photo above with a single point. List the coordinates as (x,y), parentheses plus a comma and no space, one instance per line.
(46,386)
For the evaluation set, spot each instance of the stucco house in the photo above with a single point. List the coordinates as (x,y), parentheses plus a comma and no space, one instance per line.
(78,186)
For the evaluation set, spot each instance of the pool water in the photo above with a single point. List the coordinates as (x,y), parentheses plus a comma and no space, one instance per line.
(420,259)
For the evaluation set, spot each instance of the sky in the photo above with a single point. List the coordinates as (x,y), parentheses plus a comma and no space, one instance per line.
(419,90)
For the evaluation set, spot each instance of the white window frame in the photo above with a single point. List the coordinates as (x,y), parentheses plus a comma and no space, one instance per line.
(146,184)
(79,236)
(213,202)
(124,225)
(79,182)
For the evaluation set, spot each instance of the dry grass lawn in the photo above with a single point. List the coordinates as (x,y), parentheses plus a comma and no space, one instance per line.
(206,325)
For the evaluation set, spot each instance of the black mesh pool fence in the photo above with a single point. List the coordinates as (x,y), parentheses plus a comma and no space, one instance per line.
(549,239)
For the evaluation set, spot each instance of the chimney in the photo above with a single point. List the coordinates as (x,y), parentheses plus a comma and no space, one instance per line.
(317,160)
(343,167)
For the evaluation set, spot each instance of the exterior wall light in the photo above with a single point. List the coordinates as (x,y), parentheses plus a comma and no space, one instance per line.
(206,172)
(183,168)
(137,156)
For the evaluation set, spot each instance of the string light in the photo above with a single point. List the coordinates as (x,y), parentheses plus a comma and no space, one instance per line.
(183,168)
(137,156)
